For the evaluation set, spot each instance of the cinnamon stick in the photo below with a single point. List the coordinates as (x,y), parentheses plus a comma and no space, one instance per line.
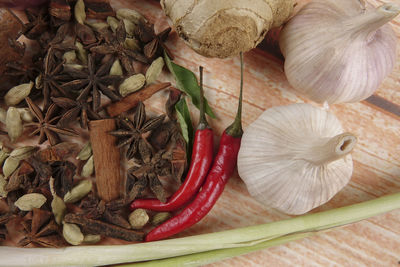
(132,100)
(106,158)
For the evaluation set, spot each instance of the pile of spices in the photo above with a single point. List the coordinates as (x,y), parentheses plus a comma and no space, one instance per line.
(79,92)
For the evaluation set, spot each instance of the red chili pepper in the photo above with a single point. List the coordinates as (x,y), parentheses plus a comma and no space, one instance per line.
(200,164)
(222,169)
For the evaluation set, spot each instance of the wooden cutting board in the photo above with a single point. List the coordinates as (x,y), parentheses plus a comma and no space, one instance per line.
(376,122)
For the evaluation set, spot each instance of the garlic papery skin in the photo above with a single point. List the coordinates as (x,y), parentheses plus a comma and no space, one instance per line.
(295,158)
(339,50)
(217,28)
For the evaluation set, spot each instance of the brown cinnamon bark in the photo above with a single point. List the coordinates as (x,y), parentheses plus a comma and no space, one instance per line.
(133,99)
(106,158)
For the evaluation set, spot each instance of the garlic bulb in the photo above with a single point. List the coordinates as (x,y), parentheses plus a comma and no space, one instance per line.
(225,28)
(295,158)
(339,50)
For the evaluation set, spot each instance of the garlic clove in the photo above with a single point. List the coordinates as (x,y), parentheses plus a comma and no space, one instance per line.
(225,28)
(346,57)
(295,158)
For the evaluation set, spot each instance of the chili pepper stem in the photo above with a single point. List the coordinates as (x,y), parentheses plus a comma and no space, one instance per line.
(202,121)
(235,129)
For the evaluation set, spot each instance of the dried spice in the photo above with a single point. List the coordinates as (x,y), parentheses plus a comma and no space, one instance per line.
(63,173)
(18,93)
(78,192)
(132,84)
(58,152)
(72,234)
(78,62)
(116,47)
(129,14)
(58,206)
(88,168)
(154,70)
(45,125)
(4,219)
(41,230)
(85,152)
(90,226)
(13,124)
(29,201)
(91,239)
(138,219)
(74,109)
(151,167)
(131,101)
(93,81)
(60,9)
(131,132)
(51,78)
(160,217)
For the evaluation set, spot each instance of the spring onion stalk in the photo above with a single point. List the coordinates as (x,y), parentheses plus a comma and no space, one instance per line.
(236,238)
(203,258)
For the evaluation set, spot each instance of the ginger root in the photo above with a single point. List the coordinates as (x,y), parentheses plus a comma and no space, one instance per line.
(219,28)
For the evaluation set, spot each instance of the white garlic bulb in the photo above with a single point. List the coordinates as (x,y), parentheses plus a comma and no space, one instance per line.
(216,28)
(339,50)
(295,158)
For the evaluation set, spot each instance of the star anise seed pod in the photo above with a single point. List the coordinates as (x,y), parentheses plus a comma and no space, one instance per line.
(45,125)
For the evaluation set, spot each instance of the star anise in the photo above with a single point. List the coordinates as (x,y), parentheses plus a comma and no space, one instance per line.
(150,169)
(116,46)
(45,125)
(22,73)
(4,219)
(93,208)
(63,173)
(156,46)
(51,78)
(74,109)
(38,23)
(93,81)
(130,133)
(41,230)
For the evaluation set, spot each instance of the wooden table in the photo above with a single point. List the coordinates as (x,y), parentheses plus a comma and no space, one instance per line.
(376,122)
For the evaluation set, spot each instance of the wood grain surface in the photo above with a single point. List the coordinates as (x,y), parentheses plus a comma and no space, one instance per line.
(376,122)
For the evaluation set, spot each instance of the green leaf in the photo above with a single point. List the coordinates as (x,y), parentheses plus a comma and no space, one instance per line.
(187,82)
(183,114)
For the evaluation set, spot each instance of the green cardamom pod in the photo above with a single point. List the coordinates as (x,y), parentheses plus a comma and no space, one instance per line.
(138,219)
(29,201)
(3,115)
(113,23)
(132,43)
(88,168)
(18,93)
(160,218)
(3,183)
(24,152)
(69,57)
(72,234)
(130,14)
(13,124)
(82,53)
(79,12)
(91,239)
(130,27)
(25,114)
(86,152)
(132,84)
(10,165)
(78,192)
(154,70)
(98,26)
(116,68)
